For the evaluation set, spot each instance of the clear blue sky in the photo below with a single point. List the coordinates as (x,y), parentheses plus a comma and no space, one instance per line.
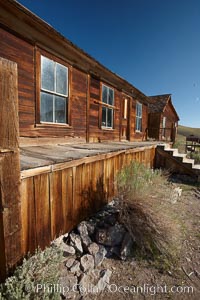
(154,44)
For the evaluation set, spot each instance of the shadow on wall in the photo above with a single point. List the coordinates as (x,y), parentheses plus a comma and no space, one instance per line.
(92,200)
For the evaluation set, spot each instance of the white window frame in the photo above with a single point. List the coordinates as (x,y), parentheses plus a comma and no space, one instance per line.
(107,106)
(138,117)
(54,93)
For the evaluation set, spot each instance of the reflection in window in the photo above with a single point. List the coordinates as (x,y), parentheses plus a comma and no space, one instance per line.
(54,91)
(107,110)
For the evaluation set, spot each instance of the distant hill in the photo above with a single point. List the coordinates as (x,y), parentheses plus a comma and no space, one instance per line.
(185,131)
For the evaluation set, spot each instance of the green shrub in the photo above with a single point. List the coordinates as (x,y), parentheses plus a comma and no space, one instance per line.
(195,155)
(146,211)
(41,268)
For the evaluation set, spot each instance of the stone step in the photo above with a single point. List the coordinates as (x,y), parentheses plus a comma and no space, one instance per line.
(196,167)
(188,160)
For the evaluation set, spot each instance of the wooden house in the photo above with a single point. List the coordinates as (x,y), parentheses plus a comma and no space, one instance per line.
(53,95)
(163,118)
(64,92)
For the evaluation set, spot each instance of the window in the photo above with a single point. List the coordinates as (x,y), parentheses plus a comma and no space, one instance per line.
(107,106)
(54,92)
(138,116)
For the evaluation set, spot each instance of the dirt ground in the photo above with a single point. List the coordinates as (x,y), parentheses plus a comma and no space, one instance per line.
(140,280)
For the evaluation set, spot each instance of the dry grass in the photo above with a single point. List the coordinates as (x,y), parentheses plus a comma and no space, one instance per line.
(146,210)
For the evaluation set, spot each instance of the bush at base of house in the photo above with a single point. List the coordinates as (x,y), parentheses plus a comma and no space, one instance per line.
(146,211)
(40,269)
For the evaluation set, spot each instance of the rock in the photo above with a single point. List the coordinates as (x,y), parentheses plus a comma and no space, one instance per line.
(100,255)
(88,282)
(86,241)
(114,251)
(113,236)
(93,248)
(75,241)
(91,226)
(67,250)
(127,247)
(60,240)
(111,219)
(104,279)
(76,267)
(176,193)
(87,262)
(69,262)
(68,286)
(82,228)
(98,252)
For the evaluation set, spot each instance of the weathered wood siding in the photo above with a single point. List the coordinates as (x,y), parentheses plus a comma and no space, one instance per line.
(84,95)
(21,52)
(96,133)
(54,202)
(138,136)
(154,125)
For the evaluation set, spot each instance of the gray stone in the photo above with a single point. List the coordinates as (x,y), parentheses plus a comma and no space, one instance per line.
(69,262)
(127,247)
(88,283)
(87,262)
(100,255)
(176,193)
(68,286)
(111,219)
(113,236)
(75,241)
(93,248)
(104,279)
(75,267)
(67,250)
(82,228)
(86,241)
(91,225)
(59,241)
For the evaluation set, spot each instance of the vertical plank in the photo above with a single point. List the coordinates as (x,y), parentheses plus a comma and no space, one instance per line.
(67,198)
(56,205)
(42,210)
(10,217)
(28,216)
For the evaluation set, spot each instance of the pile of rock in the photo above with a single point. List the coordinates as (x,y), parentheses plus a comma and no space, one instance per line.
(85,248)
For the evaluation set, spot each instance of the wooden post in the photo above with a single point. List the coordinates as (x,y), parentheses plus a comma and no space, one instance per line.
(10,211)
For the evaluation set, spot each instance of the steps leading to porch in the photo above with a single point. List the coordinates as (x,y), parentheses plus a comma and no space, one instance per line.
(176,162)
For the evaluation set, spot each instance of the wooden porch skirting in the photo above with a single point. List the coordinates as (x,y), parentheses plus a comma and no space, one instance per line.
(56,197)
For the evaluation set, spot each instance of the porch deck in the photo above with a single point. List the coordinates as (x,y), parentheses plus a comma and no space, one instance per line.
(39,156)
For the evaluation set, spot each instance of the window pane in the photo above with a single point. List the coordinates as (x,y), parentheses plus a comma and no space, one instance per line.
(103,123)
(61,79)
(109,117)
(138,124)
(60,109)
(46,107)
(104,94)
(111,97)
(47,73)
